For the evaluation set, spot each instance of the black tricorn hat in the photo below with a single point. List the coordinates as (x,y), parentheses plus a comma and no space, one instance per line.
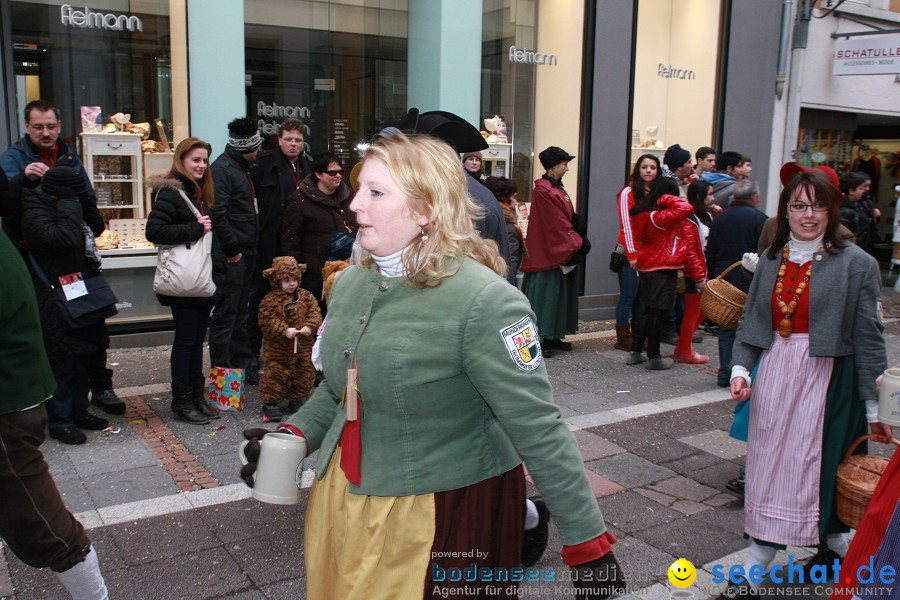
(451,128)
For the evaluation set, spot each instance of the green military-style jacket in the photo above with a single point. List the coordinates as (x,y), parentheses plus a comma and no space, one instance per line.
(453,391)
(24,367)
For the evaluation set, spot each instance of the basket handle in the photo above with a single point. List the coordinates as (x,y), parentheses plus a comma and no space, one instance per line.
(860,440)
(728,270)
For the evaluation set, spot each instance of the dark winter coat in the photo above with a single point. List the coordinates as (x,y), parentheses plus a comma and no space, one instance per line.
(857,218)
(13,163)
(274,181)
(171,222)
(310,219)
(233,213)
(490,226)
(53,234)
(516,243)
(731,234)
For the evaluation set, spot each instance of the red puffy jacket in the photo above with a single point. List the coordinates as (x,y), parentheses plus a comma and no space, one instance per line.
(666,241)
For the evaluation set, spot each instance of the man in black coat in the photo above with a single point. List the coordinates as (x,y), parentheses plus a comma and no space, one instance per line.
(236,235)
(733,233)
(276,174)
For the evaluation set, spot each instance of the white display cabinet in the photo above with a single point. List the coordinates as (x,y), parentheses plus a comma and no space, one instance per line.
(114,164)
(496,160)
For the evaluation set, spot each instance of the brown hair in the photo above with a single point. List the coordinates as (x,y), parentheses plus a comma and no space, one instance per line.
(818,187)
(203,189)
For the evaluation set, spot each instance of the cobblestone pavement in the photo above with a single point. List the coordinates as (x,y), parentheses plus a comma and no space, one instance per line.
(171,519)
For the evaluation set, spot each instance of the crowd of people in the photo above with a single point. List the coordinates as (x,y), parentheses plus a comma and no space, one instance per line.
(357,281)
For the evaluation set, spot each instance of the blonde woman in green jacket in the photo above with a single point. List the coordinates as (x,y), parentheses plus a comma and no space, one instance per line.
(426,478)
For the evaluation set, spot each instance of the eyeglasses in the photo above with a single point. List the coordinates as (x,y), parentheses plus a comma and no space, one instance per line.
(42,127)
(800,207)
(334,172)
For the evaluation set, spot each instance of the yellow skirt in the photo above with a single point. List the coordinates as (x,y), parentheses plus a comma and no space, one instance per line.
(365,547)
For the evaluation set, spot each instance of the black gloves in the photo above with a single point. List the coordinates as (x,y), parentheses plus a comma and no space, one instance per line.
(251,452)
(598,579)
(585,246)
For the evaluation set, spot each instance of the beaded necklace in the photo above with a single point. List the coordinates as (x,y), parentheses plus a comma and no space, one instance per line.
(785,326)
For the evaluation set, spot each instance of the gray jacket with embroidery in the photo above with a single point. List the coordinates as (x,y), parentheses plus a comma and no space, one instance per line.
(844,313)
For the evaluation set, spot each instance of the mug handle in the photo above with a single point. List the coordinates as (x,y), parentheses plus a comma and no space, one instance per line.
(241,447)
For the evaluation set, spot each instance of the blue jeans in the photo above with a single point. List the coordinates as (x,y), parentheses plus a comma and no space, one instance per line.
(726,341)
(186,360)
(229,339)
(630,302)
(69,402)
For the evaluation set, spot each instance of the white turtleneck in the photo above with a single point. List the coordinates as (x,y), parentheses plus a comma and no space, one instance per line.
(801,252)
(391,265)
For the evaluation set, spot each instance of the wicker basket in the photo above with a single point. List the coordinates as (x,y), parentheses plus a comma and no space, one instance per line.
(857,477)
(722,302)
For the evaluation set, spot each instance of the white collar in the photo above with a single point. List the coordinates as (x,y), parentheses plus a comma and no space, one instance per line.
(392,265)
(801,252)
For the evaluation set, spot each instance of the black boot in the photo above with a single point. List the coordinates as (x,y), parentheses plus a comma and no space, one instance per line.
(183,405)
(198,395)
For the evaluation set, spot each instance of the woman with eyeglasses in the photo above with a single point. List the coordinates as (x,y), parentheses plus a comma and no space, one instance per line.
(313,214)
(812,320)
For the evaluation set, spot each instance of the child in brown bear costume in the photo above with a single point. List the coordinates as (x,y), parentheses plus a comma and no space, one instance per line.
(288,316)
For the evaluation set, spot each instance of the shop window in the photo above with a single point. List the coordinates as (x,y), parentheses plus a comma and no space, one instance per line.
(116,57)
(507,87)
(344,86)
(675,75)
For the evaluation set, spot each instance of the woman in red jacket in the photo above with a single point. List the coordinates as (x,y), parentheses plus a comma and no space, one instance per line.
(666,244)
(646,171)
(700,196)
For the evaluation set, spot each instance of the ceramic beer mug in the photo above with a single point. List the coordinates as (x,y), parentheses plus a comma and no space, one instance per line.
(279,468)
(889,398)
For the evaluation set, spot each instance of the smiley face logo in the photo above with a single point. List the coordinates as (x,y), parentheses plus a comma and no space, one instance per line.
(682,573)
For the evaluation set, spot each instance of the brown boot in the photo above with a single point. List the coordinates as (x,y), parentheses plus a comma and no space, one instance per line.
(183,405)
(198,396)
(623,338)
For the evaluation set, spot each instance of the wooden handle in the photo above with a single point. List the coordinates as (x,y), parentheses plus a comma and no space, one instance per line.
(860,440)
(728,270)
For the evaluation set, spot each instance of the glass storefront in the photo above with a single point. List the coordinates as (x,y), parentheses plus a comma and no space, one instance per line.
(114,57)
(507,86)
(338,66)
(676,59)
(341,66)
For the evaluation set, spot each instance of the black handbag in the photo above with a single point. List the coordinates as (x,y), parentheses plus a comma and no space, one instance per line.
(95,306)
(617,260)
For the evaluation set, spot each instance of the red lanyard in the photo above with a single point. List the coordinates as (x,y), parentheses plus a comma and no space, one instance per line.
(294,170)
